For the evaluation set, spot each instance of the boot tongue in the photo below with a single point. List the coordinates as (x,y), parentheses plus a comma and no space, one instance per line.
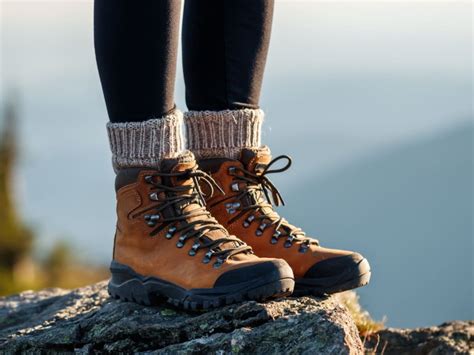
(255,159)
(182,162)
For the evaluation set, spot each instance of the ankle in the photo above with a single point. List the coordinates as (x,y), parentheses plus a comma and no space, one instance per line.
(147,143)
(223,134)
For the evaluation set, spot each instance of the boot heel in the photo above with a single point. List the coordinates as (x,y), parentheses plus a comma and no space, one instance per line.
(127,286)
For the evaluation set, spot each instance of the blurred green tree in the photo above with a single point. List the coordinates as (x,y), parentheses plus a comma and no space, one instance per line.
(57,262)
(15,238)
(18,268)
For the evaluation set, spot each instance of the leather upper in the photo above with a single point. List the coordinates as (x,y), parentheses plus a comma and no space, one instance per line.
(226,210)
(156,255)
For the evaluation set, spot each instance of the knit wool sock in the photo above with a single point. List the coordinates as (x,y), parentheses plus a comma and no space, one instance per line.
(145,144)
(223,134)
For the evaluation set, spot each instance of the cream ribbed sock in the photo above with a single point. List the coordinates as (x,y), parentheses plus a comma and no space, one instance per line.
(213,134)
(145,144)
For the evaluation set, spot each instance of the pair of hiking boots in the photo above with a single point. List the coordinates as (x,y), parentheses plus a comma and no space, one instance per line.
(176,237)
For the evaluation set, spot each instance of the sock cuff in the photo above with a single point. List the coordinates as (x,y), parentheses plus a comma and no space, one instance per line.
(145,144)
(213,134)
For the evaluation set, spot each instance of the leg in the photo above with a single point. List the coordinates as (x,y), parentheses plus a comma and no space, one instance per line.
(225,45)
(224,53)
(136,50)
(223,74)
(167,246)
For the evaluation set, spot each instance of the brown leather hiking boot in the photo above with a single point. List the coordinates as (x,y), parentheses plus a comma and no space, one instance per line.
(247,211)
(167,245)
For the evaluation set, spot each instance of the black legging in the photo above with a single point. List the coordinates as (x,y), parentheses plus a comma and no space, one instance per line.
(225,44)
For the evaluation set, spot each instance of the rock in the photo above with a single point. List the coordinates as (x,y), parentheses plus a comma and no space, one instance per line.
(449,338)
(86,320)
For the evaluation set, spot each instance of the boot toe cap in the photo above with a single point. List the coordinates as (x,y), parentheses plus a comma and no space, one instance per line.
(262,272)
(346,266)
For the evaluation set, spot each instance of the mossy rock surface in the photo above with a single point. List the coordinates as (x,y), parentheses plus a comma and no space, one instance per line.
(455,337)
(86,320)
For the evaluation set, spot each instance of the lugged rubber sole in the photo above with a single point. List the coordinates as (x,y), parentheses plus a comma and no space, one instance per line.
(127,285)
(352,278)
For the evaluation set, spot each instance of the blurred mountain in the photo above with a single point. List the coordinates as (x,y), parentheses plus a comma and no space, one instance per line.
(409,210)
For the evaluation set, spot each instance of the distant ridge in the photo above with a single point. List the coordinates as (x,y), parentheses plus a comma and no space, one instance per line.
(409,209)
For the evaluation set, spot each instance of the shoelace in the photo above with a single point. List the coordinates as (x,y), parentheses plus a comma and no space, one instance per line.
(257,185)
(179,196)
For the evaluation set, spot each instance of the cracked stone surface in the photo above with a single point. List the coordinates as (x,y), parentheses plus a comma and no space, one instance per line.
(86,321)
(455,337)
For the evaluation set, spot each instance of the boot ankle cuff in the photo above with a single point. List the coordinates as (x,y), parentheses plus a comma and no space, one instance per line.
(213,134)
(145,144)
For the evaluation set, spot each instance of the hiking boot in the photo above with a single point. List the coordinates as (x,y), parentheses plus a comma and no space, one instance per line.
(167,245)
(247,211)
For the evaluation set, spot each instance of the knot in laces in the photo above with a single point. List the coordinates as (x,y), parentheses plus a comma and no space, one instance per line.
(257,199)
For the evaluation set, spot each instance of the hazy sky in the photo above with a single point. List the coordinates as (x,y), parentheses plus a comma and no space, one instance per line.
(51,43)
(344,80)
(315,35)
(349,78)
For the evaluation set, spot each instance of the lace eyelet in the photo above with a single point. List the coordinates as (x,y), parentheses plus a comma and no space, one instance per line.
(231,207)
(249,220)
(181,241)
(303,248)
(151,220)
(218,263)
(231,170)
(194,249)
(275,237)
(260,229)
(148,179)
(235,187)
(170,233)
(207,257)
(153,196)
(289,241)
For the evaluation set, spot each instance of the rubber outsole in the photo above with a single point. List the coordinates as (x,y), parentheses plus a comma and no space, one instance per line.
(352,278)
(127,285)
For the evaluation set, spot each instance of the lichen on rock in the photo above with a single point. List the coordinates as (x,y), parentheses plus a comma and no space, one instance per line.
(455,337)
(86,320)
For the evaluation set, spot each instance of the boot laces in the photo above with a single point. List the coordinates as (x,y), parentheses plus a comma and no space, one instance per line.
(193,223)
(263,196)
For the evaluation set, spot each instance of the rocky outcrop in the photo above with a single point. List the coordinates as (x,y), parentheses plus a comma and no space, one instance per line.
(86,320)
(448,338)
